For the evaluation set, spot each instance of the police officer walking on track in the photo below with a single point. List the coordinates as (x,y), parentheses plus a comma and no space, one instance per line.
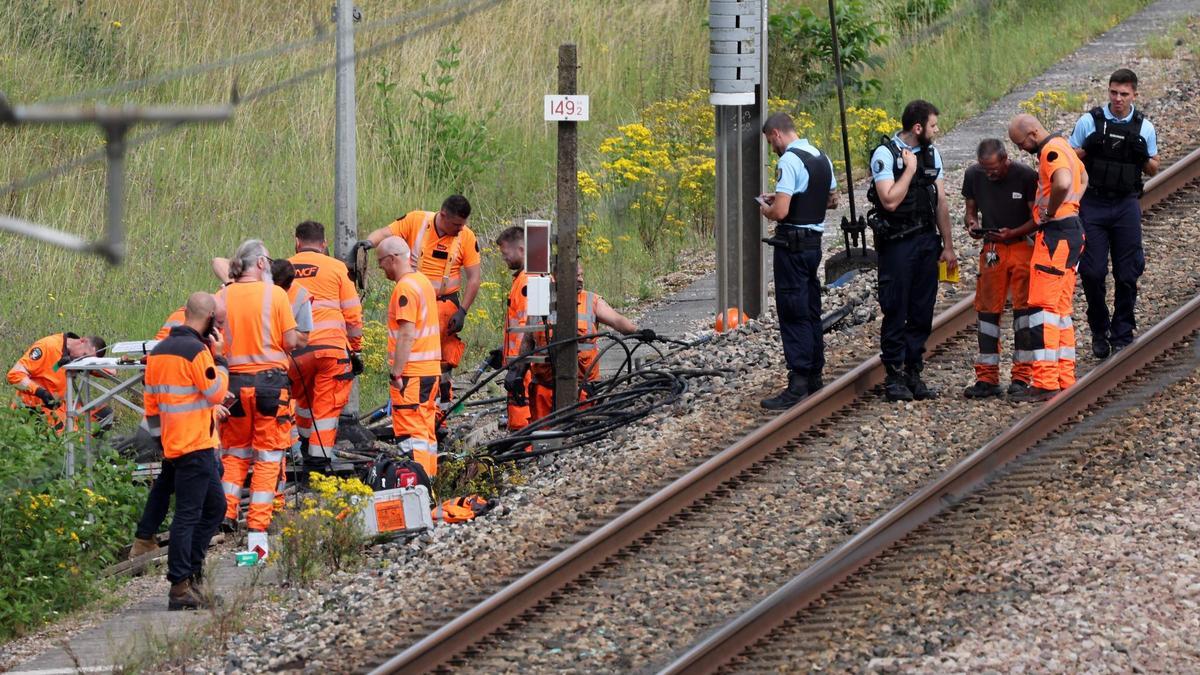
(1117,145)
(911,222)
(804,190)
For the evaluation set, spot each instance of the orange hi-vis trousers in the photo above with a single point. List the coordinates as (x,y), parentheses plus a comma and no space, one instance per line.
(257,431)
(414,418)
(1003,273)
(321,383)
(1056,252)
(519,415)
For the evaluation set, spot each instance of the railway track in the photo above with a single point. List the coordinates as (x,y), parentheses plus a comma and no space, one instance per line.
(661,575)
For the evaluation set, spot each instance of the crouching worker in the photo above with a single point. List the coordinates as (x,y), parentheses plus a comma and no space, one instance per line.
(41,382)
(591,312)
(259,332)
(414,354)
(184,384)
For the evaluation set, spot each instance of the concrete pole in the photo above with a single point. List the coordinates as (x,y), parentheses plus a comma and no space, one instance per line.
(345,174)
(566,357)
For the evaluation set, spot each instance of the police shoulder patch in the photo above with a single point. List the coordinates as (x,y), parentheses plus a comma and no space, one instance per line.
(404,301)
(878,165)
(210,373)
(778,173)
(35,353)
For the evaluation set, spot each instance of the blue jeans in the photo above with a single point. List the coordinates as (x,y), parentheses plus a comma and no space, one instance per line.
(199,507)
(1112,227)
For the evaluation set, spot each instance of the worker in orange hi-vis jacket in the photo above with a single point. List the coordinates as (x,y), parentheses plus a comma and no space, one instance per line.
(511,244)
(185,385)
(40,381)
(443,248)
(414,354)
(592,311)
(259,332)
(1057,247)
(328,364)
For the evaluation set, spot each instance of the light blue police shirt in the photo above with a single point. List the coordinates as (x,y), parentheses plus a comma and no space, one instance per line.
(883,167)
(793,176)
(1086,126)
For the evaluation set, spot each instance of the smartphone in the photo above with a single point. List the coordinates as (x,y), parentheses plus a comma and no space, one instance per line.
(761,201)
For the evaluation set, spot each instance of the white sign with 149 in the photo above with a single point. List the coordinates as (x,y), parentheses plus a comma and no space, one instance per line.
(564,108)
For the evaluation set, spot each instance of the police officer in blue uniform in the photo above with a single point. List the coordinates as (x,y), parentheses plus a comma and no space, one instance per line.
(804,190)
(1117,145)
(911,223)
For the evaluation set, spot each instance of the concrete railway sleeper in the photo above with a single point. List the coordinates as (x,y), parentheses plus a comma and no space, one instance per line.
(550,600)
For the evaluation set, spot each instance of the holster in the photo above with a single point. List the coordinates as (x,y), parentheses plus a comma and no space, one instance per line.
(794,239)
(886,230)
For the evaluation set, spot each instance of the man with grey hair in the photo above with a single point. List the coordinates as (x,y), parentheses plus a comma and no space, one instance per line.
(414,353)
(1004,192)
(259,330)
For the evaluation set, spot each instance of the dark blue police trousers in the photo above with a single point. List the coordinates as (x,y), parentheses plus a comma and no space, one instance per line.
(908,282)
(1111,226)
(798,303)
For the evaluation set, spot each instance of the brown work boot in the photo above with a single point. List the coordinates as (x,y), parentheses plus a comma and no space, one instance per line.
(208,599)
(142,547)
(183,596)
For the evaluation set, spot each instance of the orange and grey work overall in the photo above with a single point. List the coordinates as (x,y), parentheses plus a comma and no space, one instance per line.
(414,397)
(515,320)
(258,429)
(321,371)
(441,260)
(1003,273)
(1056,251)
(541,387)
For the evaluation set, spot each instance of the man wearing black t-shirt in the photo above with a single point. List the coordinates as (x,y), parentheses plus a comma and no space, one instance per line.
(1004,193)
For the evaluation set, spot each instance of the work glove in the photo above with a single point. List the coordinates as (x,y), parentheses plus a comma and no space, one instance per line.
(514,384)
(356,363)
(364,244)
(646,335)
(48,399)
(495,359)
(457,321)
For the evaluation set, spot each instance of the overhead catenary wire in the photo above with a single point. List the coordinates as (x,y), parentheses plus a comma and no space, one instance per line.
(261,93)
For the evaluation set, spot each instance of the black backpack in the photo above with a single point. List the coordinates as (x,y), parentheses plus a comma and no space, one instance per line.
(386,473)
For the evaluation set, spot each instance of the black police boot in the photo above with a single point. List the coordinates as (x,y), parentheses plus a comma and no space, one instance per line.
(815,383)
(795,392)
(919,389)
(982,389)
(895,387)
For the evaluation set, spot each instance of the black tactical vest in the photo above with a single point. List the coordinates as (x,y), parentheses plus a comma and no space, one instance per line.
(1114,155)
(919,206)
(808,207)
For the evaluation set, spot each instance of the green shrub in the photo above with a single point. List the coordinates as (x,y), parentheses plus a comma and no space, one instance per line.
(323,532)
(802,49)
(437,146)
(56,532)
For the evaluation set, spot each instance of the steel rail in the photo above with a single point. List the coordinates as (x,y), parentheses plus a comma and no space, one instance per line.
(722,645)
(510,602)
(441,646)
